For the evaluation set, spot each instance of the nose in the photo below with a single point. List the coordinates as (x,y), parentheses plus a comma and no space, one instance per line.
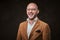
(30,10)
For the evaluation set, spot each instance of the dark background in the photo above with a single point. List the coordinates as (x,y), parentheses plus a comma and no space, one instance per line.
(12,12)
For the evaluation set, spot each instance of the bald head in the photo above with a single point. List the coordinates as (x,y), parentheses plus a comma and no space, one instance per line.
(32,4)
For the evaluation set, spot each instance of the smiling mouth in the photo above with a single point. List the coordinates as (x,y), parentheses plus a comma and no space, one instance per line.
(30,14)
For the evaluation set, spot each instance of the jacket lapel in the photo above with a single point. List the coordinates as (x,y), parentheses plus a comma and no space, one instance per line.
(25,31)
(35,26)
(33,34)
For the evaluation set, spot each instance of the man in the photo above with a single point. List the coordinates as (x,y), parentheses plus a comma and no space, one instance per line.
(33,28)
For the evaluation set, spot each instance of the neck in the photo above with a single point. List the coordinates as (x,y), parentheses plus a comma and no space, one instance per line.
(31,21)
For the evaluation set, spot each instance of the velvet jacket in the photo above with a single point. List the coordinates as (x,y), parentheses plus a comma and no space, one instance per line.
(40,31)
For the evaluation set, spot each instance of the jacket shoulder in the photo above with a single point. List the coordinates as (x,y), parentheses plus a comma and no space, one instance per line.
(44,25)
(22,23)
(42,22)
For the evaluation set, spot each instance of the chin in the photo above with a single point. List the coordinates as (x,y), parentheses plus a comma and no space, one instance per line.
(31,18)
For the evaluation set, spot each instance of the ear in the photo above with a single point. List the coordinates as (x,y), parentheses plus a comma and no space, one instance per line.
(38,12)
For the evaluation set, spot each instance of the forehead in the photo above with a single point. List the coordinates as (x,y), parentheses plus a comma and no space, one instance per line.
(32,5)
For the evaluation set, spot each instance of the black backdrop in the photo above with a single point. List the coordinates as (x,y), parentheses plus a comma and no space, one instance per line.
(13,12)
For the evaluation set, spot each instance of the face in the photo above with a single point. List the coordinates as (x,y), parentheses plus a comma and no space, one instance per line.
(32,11)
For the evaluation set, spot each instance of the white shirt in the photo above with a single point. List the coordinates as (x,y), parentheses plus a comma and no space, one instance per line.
(29,26)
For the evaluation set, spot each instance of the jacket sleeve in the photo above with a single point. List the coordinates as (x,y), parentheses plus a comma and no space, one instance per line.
(19,34)
(46,33)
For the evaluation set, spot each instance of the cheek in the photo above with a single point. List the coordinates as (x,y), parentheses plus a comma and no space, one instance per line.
(35,12)
(27,12)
